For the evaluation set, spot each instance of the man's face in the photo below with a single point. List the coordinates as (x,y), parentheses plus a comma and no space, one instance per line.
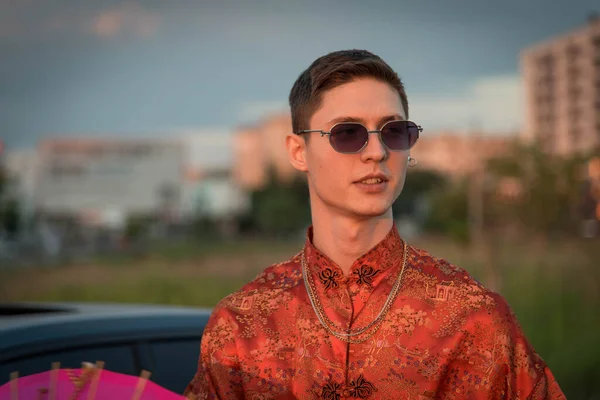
(337,180)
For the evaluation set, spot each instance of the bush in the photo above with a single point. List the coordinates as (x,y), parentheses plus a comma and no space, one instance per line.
(10,217)
(281,208)
(449,213)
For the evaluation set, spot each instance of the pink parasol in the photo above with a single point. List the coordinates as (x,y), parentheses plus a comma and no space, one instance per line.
(91,382)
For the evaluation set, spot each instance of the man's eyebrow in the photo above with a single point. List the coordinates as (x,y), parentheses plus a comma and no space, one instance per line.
(389,118)
(381,121)
(345,119)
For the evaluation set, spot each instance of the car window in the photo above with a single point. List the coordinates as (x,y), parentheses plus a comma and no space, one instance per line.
(117,358)
(175,362)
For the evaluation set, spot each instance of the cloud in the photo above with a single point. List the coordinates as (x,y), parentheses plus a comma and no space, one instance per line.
(13,14)
(127,17)
(255,110)
(26,19)
(493,104)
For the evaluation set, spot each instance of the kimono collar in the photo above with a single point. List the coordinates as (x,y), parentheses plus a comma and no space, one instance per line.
(383,256)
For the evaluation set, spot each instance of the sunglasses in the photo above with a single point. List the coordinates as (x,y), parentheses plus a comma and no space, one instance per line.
(352,137)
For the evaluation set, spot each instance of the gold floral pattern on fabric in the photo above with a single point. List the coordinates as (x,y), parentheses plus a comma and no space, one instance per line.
(365,275)
(445,336)
(329,278)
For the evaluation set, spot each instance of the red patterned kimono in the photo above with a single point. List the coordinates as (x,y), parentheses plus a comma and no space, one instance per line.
(444,336)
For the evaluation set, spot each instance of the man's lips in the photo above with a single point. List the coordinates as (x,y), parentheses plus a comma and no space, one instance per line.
(373,178)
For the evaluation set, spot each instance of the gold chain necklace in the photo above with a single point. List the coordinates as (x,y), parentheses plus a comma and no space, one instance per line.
(326,321)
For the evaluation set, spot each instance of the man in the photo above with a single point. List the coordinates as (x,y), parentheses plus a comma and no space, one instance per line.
(359,313)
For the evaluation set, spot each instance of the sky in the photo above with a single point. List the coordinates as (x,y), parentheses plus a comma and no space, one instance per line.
(155,68)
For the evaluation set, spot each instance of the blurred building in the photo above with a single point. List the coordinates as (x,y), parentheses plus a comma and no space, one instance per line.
(250,161)
(104,181)
(456,154)
(562,89)
(101,182)
(21,166)
(210,189)
(260,149)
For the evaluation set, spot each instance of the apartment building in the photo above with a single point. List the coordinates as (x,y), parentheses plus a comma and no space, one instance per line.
(562,88)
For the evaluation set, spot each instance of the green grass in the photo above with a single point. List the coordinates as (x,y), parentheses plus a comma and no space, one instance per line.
(154,289)
(184,273)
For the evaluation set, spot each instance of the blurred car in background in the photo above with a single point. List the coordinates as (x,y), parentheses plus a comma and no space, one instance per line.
(128,338)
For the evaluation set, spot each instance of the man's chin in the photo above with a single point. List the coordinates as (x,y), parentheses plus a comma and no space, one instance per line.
(371,212)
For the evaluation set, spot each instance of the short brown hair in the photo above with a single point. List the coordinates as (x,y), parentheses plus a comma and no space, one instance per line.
(332,70)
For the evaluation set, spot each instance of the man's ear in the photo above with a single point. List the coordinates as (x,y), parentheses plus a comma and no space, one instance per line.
(296,148)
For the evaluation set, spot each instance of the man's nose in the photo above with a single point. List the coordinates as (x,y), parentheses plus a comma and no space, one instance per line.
(375,149)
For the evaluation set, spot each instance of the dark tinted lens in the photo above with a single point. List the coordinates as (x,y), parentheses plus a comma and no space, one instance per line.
(348,137)
(400,135)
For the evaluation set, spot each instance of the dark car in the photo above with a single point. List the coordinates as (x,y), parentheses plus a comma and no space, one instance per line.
(128,338)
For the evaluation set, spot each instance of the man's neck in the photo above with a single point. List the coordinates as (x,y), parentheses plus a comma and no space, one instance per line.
(344,239)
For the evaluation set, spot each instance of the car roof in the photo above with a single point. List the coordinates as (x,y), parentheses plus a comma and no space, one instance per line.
(15,315)
(35,326)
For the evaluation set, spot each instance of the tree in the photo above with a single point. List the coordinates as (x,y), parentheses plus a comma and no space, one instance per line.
(3,181)
(281,208)
(549,190)
(9,206)
(449,213)
(419,183)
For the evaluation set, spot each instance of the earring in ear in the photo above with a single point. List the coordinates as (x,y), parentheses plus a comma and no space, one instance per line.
(412,161)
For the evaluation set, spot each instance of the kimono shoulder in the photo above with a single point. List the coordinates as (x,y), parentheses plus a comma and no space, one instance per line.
(274,288)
